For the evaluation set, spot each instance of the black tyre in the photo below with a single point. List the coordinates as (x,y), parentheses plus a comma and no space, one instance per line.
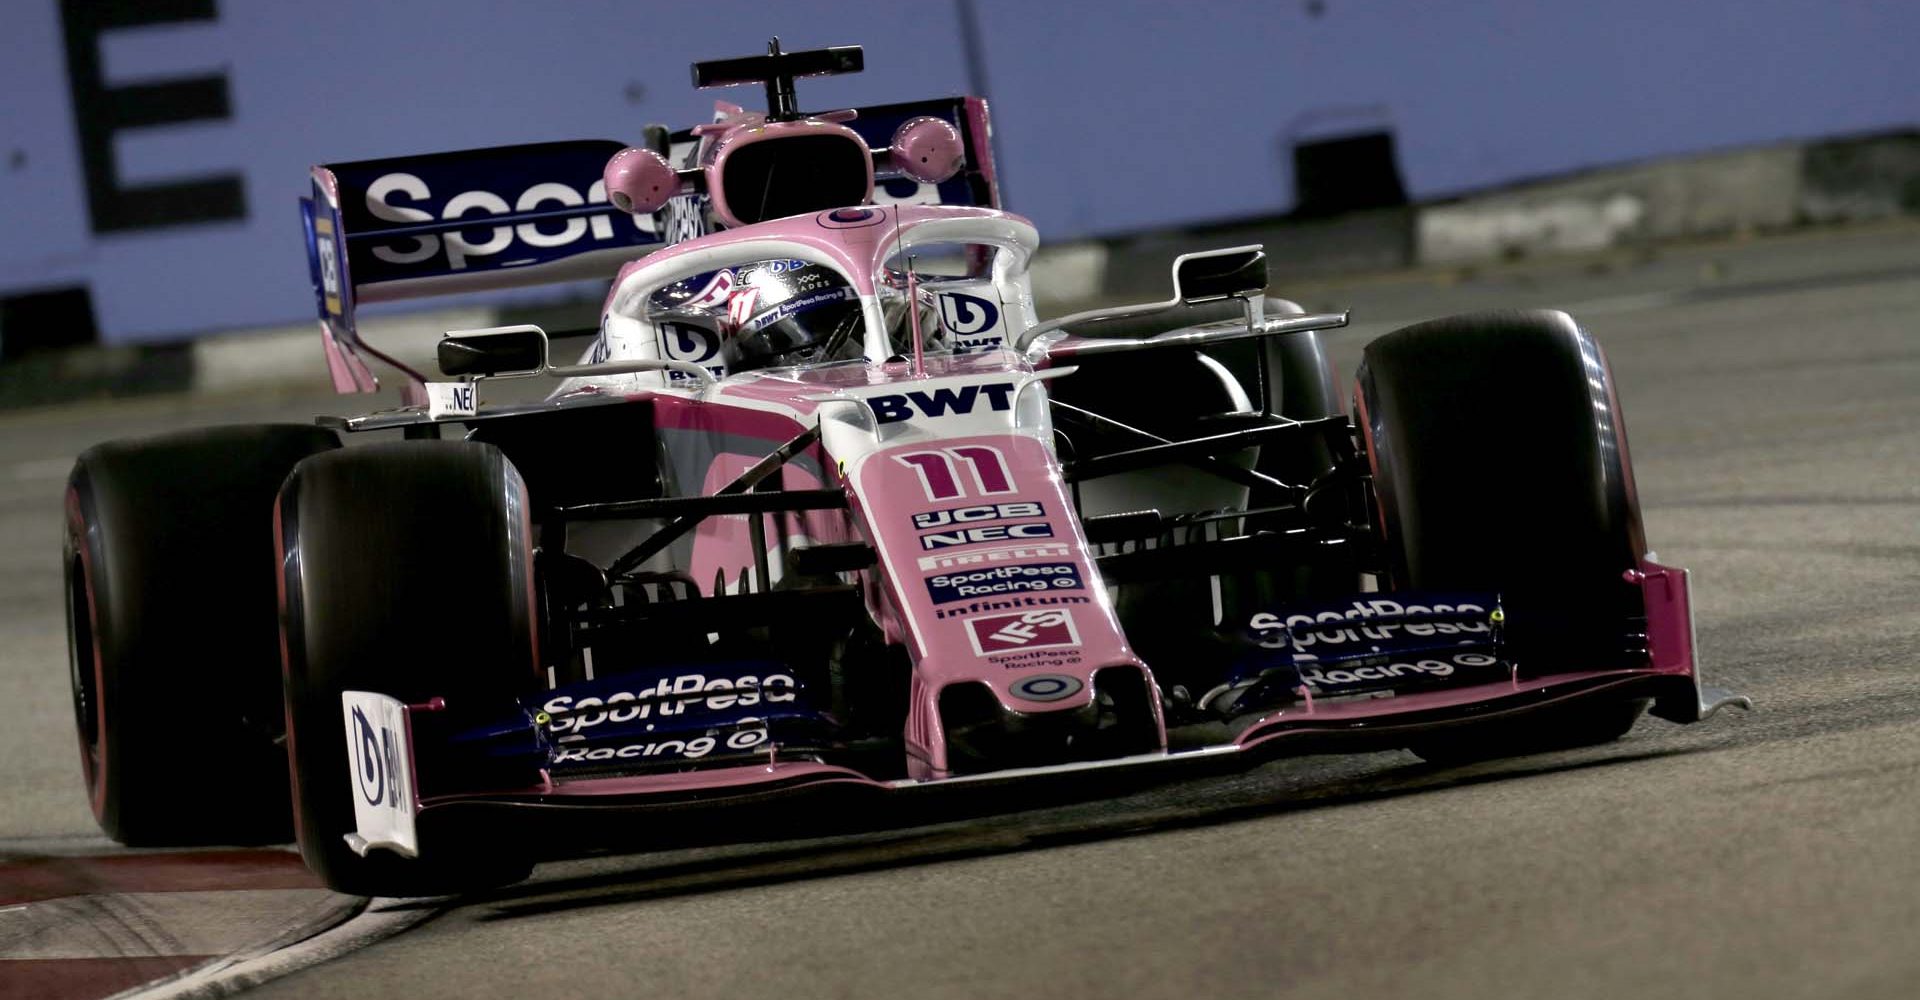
(172,646)
(407,571)
(1500,464)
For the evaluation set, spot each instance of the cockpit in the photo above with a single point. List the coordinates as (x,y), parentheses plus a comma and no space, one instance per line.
(754,312)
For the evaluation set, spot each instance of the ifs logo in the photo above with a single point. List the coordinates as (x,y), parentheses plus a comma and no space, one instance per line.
(1022,631)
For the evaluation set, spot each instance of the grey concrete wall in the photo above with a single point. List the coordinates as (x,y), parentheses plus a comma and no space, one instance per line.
(1846,179)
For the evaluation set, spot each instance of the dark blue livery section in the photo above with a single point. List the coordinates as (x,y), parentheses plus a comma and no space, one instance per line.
(671,716)
(1370,645)
(445,214)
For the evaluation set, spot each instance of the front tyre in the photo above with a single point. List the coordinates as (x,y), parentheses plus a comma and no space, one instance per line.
(1500,464)
(406,569)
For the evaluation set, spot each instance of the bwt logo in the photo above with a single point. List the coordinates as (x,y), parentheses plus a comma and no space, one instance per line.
(378,776)
(685,342)
(383,192)
(893,408)
(965,315)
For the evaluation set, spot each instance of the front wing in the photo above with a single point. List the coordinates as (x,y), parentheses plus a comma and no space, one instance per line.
(383,757)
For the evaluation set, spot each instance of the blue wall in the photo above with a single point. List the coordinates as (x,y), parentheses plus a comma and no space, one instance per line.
(1109,117)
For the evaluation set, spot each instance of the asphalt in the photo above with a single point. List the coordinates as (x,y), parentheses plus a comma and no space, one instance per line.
(1772,395)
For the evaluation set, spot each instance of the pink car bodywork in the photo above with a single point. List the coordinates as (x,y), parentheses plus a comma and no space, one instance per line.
(957,460)
(921,450)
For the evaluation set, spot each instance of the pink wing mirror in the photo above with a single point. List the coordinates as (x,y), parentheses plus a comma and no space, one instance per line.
(640,181)
(926,149)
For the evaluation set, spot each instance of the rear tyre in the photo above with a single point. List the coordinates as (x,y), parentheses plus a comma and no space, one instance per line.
(169,601)
(1500,464)
(407,571)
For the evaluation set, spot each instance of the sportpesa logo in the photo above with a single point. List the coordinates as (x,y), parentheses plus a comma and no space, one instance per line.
(669,696)
(1356,624)
(397,197)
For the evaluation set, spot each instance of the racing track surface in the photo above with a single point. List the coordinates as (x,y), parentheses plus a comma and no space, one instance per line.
(1772,391)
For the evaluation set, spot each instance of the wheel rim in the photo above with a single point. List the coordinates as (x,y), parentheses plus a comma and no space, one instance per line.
(82,659)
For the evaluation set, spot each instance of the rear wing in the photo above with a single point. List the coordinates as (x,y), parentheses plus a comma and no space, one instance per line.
(381,230)
(511,216)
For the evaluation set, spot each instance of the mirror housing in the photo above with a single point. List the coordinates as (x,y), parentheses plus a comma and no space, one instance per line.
(927,149)
(639,181)
(506,350)
(1212,275)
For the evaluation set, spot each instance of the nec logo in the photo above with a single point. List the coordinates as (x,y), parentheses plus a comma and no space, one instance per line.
(1021,631)
(893,408)
(388,188)
(990,533)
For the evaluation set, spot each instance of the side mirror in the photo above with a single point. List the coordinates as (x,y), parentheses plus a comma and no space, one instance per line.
(639,181)
(927,149)
(1220,274)
(507,350)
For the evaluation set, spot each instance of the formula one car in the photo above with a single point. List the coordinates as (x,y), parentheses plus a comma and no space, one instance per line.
(828,505)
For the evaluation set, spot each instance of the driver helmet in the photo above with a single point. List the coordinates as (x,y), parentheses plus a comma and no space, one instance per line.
(790,312)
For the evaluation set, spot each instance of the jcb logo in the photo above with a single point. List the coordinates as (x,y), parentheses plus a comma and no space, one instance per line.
(978,512)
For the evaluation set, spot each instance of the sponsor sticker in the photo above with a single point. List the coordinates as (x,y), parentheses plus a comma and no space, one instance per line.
(794,306)
(401,197)
(958,537)
(1045,687)
(1009,603)
(670,696)
(1364,621)
(328,253)
(1022,631)
(688,749)
(976,513)
(945,588)
(996,554)
(451,399)
(967,315)
(1333,680)
(943,401)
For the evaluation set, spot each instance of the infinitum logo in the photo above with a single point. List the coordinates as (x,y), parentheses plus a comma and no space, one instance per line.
(1029,630)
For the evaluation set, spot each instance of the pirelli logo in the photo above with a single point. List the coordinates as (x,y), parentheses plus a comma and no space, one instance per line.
(996,554)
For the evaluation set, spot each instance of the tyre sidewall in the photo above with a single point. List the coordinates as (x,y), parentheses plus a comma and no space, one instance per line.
(405,570)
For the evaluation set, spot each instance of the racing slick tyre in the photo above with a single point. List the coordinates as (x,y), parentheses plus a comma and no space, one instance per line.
(169,605)
(407,572)
(1500,464)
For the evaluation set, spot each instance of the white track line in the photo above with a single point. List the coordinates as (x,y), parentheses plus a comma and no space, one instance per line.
(381,918)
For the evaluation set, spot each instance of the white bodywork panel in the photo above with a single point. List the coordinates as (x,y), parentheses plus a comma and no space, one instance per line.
(380,767)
